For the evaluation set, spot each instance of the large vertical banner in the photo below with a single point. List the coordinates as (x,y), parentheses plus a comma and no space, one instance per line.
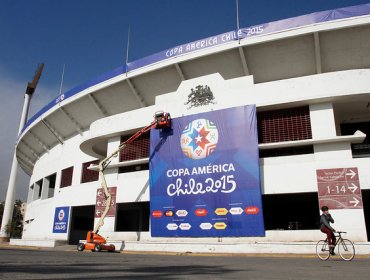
(204,176)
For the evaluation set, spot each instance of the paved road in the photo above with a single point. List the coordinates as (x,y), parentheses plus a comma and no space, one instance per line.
(51,264)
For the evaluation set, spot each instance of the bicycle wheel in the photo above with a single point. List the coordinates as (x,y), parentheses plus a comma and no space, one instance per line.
(322,250)
(346,249)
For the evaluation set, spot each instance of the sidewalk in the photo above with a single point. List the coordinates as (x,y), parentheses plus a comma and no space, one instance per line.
(197,248)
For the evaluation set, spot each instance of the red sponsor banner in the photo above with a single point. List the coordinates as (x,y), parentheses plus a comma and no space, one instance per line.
(157,214)
(101,202)
(339,188)
(252,210)
(201,212)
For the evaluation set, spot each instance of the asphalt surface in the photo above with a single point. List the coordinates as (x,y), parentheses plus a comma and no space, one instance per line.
(67,263)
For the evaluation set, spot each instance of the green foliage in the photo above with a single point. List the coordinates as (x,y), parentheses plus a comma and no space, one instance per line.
(14,228)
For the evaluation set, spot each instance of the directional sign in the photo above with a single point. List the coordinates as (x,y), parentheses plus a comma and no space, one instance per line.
(101,202)
(98,213)
(337,175)
(339,188)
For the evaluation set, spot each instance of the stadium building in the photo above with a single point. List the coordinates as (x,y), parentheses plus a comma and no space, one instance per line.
(302,83)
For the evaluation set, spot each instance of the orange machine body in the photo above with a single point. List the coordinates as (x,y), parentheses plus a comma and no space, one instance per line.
(96,243)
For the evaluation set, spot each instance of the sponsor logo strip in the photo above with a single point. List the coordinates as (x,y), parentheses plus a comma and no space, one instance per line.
(252,210)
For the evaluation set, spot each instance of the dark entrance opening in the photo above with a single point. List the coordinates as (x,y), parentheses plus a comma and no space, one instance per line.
(133,216)
(358,149)
(82,220)
(366,203)
(297,211)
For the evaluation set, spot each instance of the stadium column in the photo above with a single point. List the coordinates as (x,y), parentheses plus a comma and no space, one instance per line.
(322,121)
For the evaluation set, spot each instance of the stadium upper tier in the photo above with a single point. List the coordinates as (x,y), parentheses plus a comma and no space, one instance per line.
(314,44)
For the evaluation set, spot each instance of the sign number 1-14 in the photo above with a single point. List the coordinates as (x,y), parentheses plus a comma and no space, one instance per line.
(336,189)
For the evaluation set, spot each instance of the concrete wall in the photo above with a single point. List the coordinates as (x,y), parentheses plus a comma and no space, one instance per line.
(290,174)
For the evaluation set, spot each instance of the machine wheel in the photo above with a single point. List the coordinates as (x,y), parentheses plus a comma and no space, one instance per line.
(80,247)
(112,248)
(97,248)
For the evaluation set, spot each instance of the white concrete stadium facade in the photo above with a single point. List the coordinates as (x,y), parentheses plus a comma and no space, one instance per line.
(325,66)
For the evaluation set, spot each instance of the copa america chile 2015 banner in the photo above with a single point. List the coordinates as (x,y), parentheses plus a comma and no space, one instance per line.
(204,176)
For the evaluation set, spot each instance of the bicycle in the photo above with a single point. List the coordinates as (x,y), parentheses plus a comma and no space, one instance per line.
(346,249)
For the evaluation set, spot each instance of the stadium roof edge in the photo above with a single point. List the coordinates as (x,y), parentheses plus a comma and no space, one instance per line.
(241,34)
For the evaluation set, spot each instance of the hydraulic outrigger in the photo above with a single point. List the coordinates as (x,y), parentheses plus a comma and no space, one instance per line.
(94,241)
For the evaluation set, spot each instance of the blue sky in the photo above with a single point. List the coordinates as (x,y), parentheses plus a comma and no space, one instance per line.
(89,37)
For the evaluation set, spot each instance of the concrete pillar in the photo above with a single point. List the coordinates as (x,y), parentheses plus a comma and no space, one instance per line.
(10,195)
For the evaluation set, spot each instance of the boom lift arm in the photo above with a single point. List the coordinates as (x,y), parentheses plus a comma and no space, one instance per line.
(94,241)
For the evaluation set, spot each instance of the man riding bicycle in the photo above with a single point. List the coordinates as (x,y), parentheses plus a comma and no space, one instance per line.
(325,220)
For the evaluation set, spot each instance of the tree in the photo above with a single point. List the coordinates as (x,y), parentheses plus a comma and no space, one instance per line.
(15,227)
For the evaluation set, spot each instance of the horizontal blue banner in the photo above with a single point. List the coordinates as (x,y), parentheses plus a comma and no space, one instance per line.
(241,34)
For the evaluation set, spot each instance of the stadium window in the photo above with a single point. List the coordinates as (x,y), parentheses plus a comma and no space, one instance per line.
(292,124)
(132,216)
(30,194)
(138,149)
(66,177)
(87,174)
(280,152)
(37,190)
(278,214)
(133,168)
(51,184)
(359,149)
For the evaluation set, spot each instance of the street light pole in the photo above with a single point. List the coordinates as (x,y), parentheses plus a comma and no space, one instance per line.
(9,201)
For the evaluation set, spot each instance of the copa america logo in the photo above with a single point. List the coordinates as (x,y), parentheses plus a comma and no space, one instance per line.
(61,215)
(199,139)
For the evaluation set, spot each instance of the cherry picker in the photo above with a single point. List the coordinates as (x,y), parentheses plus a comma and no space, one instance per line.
(94,241)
